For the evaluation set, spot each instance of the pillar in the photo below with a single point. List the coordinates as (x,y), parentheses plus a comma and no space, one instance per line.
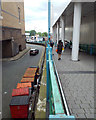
(53,33)
(63,30)
(76,31)
(57,32)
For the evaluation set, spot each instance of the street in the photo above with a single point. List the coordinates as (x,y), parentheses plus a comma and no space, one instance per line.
(12,73)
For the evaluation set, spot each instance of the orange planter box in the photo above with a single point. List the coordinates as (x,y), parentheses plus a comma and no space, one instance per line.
(26,80)
(20,92)
(30,73)
(23,85)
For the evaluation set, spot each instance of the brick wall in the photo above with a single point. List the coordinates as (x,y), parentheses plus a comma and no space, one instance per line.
(13,28)
(15,34)
(11,15)
(6,48)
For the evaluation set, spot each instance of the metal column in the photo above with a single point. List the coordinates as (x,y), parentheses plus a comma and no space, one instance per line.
(76,31)
(57,32)
(63,30)
(49,17)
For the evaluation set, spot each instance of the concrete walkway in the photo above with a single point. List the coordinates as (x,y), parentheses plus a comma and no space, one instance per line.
(77,79)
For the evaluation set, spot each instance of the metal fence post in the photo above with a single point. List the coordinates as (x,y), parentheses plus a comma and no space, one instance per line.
(47,56)
(51,50)
(47,67)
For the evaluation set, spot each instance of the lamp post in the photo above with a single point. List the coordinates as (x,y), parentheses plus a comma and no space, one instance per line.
(49,12)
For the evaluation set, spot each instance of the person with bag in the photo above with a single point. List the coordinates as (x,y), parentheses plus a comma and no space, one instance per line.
(51,43)
(59,49)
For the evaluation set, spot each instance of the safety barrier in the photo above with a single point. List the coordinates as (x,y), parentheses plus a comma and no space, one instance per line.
(38,42)
(54,91)
(91,49)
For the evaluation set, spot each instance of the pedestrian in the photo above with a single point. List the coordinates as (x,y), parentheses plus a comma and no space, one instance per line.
(59,49)
(51,43)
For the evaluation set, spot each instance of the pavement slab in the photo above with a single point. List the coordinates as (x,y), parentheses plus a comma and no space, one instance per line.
(77,79)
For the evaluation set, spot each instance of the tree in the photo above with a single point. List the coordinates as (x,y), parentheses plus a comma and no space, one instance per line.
(39,33)
(32,33)
(27,31)
(44,34)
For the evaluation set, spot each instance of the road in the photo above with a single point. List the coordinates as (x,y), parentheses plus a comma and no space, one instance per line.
(12,73)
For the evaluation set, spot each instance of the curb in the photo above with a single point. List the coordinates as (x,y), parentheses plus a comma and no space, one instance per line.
(36,43)
(18,56)
(39,64)
(41,104)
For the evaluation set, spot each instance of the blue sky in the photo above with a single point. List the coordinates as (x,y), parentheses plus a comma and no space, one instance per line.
(36,13)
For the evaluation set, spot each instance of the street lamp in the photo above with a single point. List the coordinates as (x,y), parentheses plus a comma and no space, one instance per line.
(49,12)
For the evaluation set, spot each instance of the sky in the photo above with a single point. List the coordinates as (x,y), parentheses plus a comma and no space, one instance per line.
(36,13)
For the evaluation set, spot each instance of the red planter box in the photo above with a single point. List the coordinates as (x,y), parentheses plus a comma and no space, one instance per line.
(20,92)
(19,106)
(23,85)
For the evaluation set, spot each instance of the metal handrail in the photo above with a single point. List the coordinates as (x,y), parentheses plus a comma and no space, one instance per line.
(55,91)
(62,93)
(56,97)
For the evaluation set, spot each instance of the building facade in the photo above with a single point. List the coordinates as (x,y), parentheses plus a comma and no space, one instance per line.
(77,24)
(13,28)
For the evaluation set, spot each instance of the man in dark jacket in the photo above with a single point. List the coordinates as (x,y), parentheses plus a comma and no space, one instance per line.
(59,49)
(51,43)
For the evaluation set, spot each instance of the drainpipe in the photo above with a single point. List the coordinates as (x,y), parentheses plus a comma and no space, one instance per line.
(12,43)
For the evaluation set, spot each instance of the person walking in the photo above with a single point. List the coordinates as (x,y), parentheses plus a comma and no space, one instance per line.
(59,49)
(51,43)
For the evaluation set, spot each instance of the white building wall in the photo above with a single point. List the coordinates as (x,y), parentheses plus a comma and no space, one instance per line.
(86,31)
(87,24)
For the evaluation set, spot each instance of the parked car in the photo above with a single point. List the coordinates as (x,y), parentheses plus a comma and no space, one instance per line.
(33,52)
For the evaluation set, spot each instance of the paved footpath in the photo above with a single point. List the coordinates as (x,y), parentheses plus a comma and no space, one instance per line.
(77,79)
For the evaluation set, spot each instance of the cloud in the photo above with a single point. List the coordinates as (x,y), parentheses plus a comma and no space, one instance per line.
(39,26)
(36,15)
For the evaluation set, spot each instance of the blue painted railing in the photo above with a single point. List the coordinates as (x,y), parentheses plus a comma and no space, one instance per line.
(56,109)
(91,49)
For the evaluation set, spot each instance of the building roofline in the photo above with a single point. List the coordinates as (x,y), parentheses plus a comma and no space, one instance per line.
(67,6)
(62,12)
